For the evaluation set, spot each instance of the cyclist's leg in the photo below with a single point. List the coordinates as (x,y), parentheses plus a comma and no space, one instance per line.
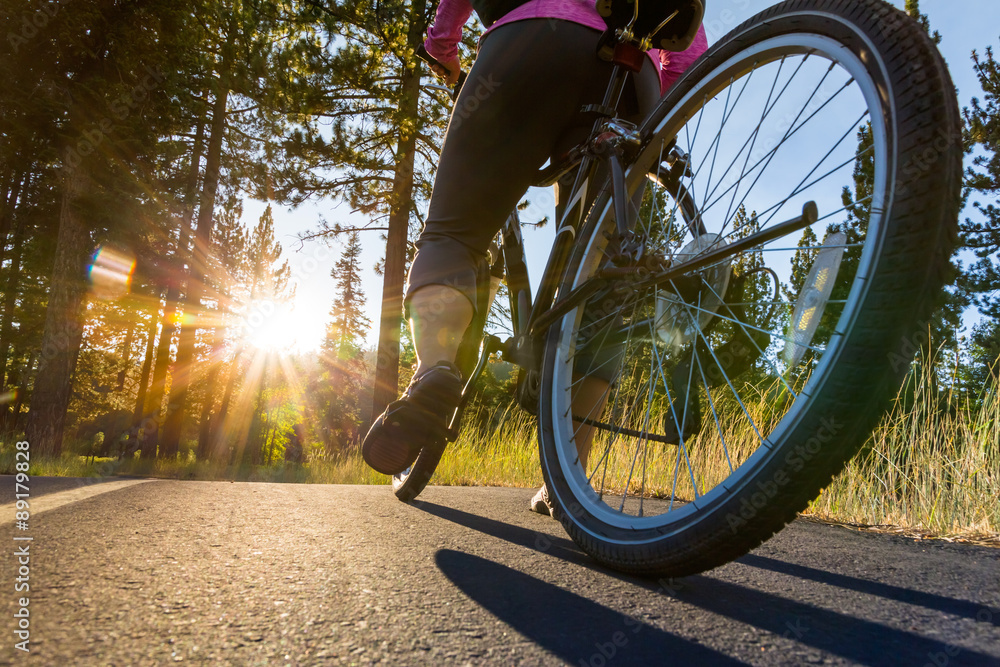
(439,316)
(525,90)
(529,82)
(592,388)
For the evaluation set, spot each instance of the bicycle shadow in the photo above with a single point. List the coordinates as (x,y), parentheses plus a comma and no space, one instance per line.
(559,547)
(570,626)
(953,606)
(556,619)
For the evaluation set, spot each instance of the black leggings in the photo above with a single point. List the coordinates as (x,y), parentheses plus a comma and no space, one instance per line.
(520,106)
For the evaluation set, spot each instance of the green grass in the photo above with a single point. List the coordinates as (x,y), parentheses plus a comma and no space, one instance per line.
(931,466)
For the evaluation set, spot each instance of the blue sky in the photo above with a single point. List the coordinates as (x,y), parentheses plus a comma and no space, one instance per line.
(964,26)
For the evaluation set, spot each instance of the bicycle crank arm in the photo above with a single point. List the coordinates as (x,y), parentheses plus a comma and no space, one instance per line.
(490,345)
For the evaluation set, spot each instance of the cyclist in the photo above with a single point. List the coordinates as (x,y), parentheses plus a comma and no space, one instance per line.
(536,68)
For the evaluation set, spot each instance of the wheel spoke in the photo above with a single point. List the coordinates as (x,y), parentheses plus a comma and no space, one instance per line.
(769,157)
(696,362)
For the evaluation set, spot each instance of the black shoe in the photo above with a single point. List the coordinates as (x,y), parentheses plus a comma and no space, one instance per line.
(419,418)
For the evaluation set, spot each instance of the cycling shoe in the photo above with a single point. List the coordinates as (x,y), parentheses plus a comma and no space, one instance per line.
(419,418)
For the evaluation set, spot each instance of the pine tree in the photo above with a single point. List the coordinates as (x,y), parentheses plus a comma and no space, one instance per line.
(913,9)
(982,279)
(342,365)
(261,80)
(801,264)
(983,236)
(384,144)
(269,290)
(945,321)
(349,325)
(229,253)
(857,200)
(751,284)
(89,94)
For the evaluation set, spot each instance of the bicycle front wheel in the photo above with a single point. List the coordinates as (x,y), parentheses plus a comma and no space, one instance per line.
(408,484)
(814,156)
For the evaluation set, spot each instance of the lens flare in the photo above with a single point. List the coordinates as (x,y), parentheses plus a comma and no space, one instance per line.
(111,273)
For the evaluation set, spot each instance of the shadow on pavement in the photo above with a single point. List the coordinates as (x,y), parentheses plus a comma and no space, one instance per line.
(560,547)
(557,619)
(856,639)
(947,605)
(573,628)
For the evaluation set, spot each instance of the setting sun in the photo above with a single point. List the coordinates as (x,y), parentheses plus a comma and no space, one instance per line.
(284,328)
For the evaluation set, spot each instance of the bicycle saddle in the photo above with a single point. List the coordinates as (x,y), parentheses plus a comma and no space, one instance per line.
(666,24)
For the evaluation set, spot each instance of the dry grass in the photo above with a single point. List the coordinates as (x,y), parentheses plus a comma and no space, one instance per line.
(931,467)
(497,451)
(726,439)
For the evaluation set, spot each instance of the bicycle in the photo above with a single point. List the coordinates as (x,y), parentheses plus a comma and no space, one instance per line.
(747,324)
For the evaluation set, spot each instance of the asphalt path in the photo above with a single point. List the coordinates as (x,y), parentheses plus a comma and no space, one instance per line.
(157,572)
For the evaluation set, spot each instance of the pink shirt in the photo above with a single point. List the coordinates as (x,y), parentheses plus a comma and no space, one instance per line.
(445,33)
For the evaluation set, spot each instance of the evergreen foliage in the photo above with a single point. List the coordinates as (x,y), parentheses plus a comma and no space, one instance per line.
(981,234)
(142,128)
(348,325)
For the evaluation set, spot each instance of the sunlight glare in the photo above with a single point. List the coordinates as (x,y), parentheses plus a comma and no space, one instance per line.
(111,273)
(282,328)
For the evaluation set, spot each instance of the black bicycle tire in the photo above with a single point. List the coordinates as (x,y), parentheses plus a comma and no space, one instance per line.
(918,238)
(408,484)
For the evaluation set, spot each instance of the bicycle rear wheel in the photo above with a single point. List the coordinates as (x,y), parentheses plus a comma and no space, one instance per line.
(719,403)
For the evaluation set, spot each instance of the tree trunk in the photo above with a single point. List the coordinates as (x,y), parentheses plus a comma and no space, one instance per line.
(140,399)
(10,301)
(259,428)
(391,319)
(154,408)
(63,320)
(151,423)
(220,427)
(182,371)
(8,206)
(271,432)
(205,430)
(7,418)
(127,356)
(21,379)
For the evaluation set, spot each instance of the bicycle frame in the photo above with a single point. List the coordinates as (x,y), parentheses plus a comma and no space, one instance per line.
(606,146)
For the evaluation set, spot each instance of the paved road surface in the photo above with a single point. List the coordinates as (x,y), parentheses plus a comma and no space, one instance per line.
(155,572)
